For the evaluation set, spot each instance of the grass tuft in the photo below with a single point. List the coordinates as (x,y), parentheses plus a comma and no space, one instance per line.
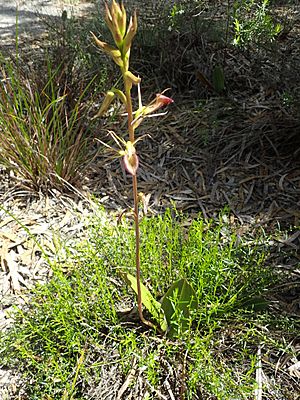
(43,131)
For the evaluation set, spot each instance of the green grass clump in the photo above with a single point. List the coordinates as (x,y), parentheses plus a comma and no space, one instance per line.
(75,338)
(44,135)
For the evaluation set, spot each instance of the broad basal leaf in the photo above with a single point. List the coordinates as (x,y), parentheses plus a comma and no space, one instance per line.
(178,303)
(218,79)
(152,305)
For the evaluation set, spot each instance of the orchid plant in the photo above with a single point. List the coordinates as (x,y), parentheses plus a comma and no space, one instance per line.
(123,34)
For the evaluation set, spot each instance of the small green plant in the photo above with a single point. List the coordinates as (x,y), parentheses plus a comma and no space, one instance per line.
(123,35)
(175,13)
(253,24)
(43,131)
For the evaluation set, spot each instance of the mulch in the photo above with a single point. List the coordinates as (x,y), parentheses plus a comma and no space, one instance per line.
(251,163)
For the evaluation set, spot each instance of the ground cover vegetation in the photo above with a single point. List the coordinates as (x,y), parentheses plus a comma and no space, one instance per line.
(80,330)
(81,335)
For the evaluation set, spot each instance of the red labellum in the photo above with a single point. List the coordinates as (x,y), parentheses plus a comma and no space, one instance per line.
(162,100)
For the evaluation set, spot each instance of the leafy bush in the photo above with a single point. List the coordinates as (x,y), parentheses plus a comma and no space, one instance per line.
(253,24)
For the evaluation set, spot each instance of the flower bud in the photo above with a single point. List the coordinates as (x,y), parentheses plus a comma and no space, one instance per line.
(106,103)
(114,53)
(122,20)
(121,95)
(116,21)
(131,78)
(131,31)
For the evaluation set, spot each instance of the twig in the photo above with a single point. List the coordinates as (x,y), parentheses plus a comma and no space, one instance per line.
(168,387)
(129,379)
(259,376)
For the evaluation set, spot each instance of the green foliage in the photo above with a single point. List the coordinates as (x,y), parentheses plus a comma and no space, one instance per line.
(46,130)
(75,307)
(175,16)
(173,314)
(43,130)
(253,24)
(152,305)
(206,254)
(70,328)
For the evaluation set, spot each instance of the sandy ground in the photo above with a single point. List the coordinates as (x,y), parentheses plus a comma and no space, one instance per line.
(26,15)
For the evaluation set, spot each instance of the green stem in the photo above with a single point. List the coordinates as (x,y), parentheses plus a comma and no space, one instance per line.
(137,251)
(136,209)
(137,245)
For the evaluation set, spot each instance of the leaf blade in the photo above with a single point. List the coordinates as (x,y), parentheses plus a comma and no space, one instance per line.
(177,303)
(152,305)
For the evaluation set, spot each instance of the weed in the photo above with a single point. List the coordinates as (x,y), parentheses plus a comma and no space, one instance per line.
(253,24)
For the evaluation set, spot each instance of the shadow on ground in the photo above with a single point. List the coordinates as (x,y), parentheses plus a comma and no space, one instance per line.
(31,20)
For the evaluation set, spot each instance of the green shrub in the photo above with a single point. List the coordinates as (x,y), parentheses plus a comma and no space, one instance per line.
(253,24)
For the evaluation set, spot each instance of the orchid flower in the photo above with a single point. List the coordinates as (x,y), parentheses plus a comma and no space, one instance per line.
(159,102)
(123,34)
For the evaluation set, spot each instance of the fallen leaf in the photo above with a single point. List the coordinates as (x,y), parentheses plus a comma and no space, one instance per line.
(294,370)
(3,255)
(13,271)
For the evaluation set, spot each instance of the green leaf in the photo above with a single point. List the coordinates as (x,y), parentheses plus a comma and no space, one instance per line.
(178,303)
(218,79)
(152,305)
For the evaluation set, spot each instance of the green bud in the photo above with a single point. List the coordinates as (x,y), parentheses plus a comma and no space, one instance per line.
(135,80)
(114,53)
(131,31)
(120,94)
(122,21)
(116,21)
(106,103)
